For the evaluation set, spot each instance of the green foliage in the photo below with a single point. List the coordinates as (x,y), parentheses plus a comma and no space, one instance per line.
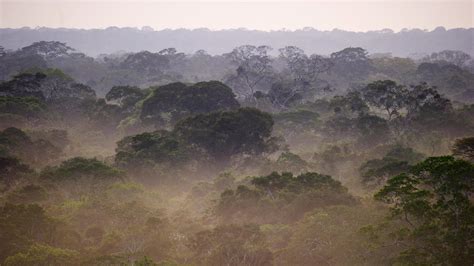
(51,72)
(145,261)
(22,225)
(24,106)
(82,168)
(281,197)
(349,105)
(126,96)
(180,101)
(397,160)
(433,202)
(43,255)
(228,133)
(386,95)
(147,149)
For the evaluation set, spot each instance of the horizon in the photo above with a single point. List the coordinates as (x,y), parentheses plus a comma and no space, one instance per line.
(147,28)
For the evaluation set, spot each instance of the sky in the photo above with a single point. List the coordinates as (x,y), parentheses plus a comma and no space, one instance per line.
(352,15)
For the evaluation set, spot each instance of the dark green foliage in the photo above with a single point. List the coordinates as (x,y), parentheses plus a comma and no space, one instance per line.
(51,85)
(281,197)
(126,97)
(374,172)
(398,160)
(82,168)
(225,134)
(426,106)
(349,105)
(433,203)
(103,116)
(299,184)
(351,63)
(43,255)
(178,101)
(147,149)
(24,106)
(386,95)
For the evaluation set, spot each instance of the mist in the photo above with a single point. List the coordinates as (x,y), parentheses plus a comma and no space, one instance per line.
(141,147)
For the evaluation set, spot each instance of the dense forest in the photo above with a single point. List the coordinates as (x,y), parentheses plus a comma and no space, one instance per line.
(412,42)
(256,156)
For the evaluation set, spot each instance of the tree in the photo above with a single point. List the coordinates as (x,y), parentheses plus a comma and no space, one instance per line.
(253,67)
(458,58)
(304,69)
(176,101)
(301,79)
(12,171)
(433,204)
(350,105)
(78,168)
(150,65)
(231,245)
(48,49)
(21,225)
(317,239)
(50,85)
(126,97)
(397,160)
(372,129)
(81,176)
(228,133)
(351,63)
(148,149)
(386,95)
(283,95)
(281,198)
(43,255)
(464,148)
(428,109)
(28,107)
(15,142)
(288,161)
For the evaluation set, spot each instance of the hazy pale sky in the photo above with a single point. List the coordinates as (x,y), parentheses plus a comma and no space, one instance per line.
(352,15)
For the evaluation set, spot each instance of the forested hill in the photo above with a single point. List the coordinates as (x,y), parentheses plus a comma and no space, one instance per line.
(93,42)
